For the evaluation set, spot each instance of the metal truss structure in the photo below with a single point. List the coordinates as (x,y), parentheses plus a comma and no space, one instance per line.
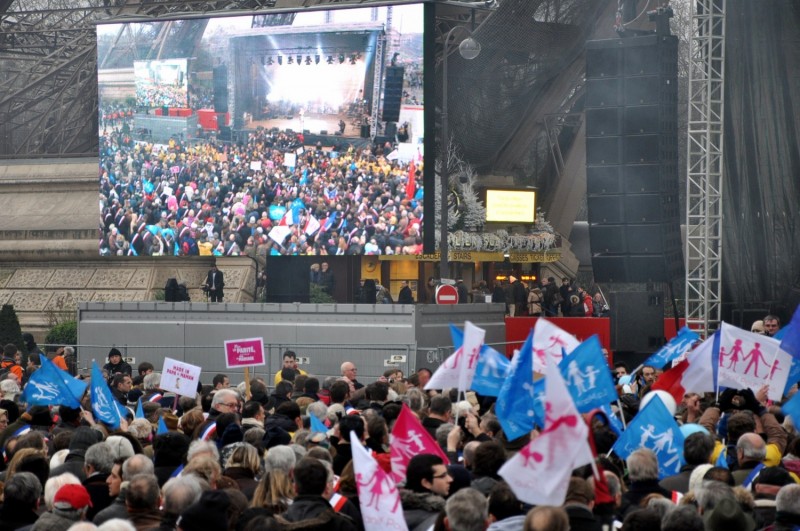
(705,165)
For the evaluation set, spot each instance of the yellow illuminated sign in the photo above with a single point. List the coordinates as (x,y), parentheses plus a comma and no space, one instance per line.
(511,206)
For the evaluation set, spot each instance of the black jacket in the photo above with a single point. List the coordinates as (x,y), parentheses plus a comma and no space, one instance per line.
(314,513)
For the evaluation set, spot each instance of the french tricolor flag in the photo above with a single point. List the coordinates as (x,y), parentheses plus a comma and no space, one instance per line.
(696,374)
(312,225)
(209,432)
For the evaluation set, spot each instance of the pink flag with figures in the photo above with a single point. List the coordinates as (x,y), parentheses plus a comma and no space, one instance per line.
(458,369)
(539,473)
(409,438)
(549,339)
(378,496)
(752,360)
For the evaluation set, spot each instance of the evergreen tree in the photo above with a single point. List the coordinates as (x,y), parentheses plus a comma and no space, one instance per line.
(10,331)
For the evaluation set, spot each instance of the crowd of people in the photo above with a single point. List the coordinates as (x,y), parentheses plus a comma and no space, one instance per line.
(543,299)
(249,457)
(210,198)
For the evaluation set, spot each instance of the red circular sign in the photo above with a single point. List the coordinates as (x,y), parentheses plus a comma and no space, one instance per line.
(446,294)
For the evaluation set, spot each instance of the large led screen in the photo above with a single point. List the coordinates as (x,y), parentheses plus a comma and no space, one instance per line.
(282,134)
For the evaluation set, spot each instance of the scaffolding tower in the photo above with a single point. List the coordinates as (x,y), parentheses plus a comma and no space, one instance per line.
(705,165)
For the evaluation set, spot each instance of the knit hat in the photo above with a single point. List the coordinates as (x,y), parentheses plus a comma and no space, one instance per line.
(114,352)
(210,512)
(276,436)
(72,497)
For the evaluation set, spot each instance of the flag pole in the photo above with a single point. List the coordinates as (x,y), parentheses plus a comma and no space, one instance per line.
(622,414)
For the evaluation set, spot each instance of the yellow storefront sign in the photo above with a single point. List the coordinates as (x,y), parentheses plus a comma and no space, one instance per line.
(480,256)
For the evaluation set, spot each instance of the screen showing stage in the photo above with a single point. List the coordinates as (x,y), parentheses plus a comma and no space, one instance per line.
(161,83)
(272,134)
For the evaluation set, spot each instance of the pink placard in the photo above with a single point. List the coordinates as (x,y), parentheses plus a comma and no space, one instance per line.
(245,352)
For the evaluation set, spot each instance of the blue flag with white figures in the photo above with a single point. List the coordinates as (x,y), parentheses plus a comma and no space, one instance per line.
(162,427)
(790,336)
(613,420)
(654,428)
(538,402)
(139,409)
(588,376)
(104,405)
(794,376)
(48,386)
(676,347)
(490,372)
(514,407)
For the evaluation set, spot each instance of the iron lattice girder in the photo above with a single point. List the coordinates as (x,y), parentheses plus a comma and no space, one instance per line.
(705,168)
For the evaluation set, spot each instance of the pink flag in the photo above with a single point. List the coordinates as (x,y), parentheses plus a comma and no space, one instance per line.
(377,493)
(458,369)
(539,473)
(409,438)
(548,339)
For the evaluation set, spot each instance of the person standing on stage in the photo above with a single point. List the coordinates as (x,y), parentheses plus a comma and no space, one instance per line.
(215,282)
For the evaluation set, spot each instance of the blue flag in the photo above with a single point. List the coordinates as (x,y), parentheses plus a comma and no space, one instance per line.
(103,401)
(674,349)
(50,386)
(490,372)
(162,426)
(457,336)
(139,410)
(316,425)
(790,336)
(587,376)
(792,408)
(514,407)
(654,428)
(613,421)
(538,403)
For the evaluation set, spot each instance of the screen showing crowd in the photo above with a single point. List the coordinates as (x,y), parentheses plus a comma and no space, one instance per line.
(244,135)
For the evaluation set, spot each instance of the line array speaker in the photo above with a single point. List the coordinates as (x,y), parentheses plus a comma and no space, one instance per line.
(632,158)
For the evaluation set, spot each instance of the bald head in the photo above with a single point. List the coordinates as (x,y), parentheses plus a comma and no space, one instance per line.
(348,369)
(751,447)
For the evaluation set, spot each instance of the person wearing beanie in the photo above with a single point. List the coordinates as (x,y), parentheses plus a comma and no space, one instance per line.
(70,505)
(116,364)
(82,439)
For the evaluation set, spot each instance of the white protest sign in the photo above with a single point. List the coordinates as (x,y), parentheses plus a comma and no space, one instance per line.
(179,377)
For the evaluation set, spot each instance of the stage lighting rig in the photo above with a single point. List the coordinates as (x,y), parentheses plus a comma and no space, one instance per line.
(308,60)
(280,59)
(290,61)
(353,59)
(270,62)
(330,59)
(341,58)
(299,59)
(316,59)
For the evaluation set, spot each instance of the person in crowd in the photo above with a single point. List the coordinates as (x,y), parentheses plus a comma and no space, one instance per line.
(349,375)
(697,450)
(406,296)
(772,323)
(116,365)
(310,511)
(289,362)
(519,297)
(466,510)
(215,284)
(578,504)
(427,486)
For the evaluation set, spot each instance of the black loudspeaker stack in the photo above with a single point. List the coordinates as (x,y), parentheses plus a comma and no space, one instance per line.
(637,321)
(220,88)
(632,159)
(393,93)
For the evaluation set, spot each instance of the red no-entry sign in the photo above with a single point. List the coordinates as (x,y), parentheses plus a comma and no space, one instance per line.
(446,294)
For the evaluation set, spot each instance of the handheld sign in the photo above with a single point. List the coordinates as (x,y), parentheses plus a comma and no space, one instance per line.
(244,352)
(179,377)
